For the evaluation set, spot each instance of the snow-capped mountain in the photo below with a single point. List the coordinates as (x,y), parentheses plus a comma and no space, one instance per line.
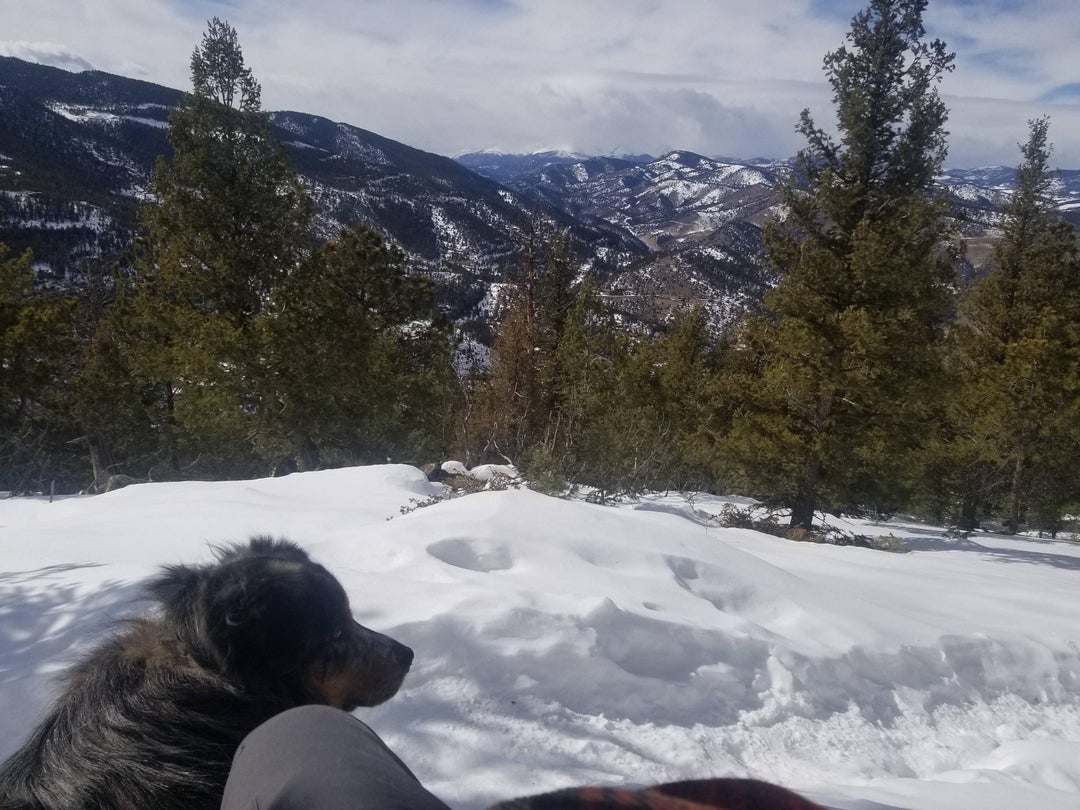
(657,233)
(678,198)
(77,149)
(505,166)
(701,218)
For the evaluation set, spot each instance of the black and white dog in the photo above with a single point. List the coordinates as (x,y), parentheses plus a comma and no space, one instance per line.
(151,718)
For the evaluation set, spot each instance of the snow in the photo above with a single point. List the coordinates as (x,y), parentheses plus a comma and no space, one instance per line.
(492,472)
(148,122)
(492,300)
(561,643)
(716,253)
(140,193)
(89,218)
(565,154)
(82,114)
(452,239)
(352,144)
(470,355)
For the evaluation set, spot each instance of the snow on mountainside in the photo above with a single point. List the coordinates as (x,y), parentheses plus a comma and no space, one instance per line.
(665,202)
(504,166)
(657,234)
(563,643)
(700,216)
(91,139)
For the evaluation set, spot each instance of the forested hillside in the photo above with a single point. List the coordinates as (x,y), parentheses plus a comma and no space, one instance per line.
(298,294)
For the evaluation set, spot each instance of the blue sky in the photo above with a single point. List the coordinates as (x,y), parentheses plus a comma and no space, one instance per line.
(599,76)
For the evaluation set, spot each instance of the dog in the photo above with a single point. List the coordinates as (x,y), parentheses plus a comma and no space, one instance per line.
(151,718)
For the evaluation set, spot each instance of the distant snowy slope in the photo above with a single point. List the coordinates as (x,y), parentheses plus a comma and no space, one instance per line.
(91,139)
(563,643)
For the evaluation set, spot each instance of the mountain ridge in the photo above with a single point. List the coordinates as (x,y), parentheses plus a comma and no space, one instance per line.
(658,234)
(78,148)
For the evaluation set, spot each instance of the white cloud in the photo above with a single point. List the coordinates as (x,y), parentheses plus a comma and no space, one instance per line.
(45,53)
(716,76)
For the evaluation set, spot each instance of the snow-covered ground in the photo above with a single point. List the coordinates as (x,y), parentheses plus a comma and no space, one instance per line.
(563,643)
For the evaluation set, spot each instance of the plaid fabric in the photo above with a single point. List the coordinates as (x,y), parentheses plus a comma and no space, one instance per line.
(703,794)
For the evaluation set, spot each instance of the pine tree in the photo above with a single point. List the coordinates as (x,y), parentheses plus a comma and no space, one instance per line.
(112,405)
(692,401)
(520,397)
(575,376)
(35,342)
(1018,349)
(845,350)
(230,224)
(358,362)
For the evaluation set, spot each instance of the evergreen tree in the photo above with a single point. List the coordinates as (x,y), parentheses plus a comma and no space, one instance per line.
(656,425)
(845,350)
(358,364)
(35,342)
(576,379)
(113,406)
(1018,350)
(230,224)
(693,400)
(520,397)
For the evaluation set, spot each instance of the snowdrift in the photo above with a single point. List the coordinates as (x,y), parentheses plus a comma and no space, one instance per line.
(563,643)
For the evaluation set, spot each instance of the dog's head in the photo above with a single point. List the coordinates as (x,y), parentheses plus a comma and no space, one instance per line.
(272,621)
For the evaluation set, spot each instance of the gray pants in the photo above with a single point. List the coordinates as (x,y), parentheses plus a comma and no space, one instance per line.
(319,758)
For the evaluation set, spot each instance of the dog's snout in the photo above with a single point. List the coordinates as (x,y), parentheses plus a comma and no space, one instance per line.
(404,655)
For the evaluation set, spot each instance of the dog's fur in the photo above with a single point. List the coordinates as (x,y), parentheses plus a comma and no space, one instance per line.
(150,720)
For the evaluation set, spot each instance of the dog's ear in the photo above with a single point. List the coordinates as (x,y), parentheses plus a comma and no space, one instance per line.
(174,588)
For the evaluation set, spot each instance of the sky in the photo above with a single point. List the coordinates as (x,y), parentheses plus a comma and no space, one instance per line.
(719,77)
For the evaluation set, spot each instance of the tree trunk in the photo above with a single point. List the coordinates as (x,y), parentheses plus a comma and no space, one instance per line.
(310,458)
(969,515)
(101,462)
(170,428)
(1012,523)
(806,496)
(802,510)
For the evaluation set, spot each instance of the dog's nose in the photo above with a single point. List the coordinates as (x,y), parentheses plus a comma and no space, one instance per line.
(404,655)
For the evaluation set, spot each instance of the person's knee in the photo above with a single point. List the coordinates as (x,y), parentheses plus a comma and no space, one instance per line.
(320,757)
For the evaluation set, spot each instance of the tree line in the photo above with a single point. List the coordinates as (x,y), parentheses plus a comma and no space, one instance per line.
(229,340)
(868,380)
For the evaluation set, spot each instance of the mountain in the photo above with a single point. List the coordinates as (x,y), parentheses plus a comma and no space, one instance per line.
(701,218)
(671,201)
(75,154)
(77,149)
(978,195)
(503,167)
(658,234)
